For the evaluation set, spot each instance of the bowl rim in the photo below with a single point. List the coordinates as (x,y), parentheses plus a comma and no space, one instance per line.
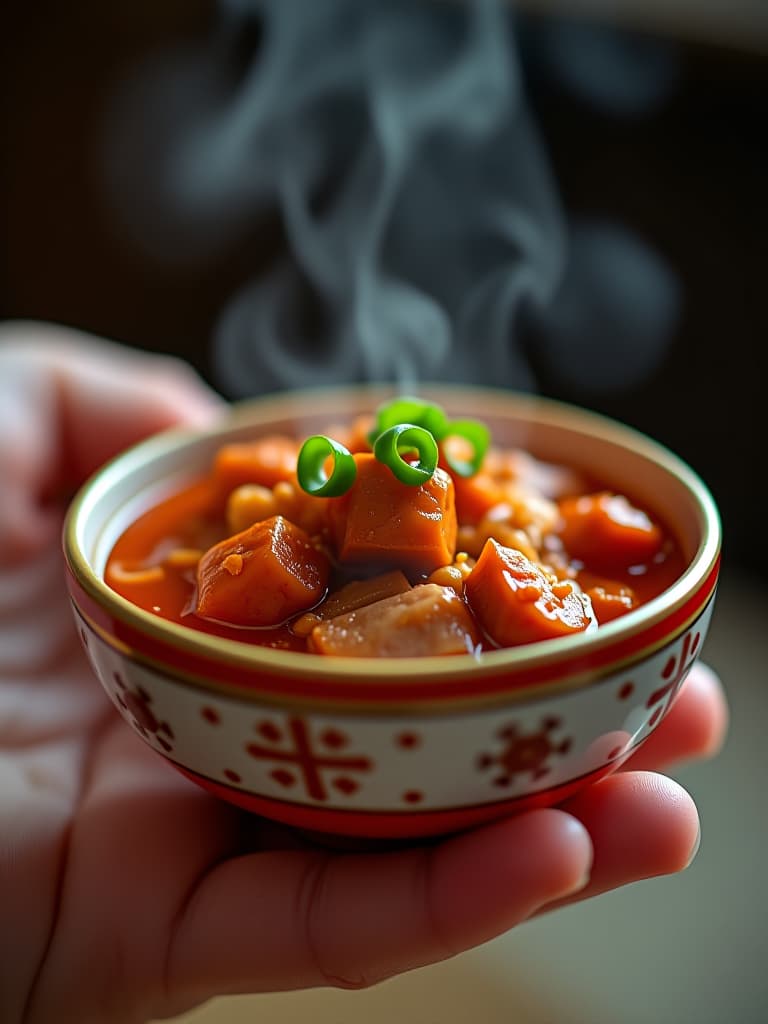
(260,411)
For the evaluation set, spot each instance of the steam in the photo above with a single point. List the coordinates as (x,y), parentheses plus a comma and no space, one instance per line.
(421,248)
(424,236)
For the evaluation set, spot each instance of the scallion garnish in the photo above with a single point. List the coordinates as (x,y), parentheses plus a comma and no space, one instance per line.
(311,472)
(390,446)
(415,411)
(477,436)
(404,427)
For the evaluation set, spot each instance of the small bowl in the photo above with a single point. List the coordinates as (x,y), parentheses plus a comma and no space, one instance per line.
(396,748)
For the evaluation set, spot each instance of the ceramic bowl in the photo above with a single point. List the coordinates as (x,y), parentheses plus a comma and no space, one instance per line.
(396,748)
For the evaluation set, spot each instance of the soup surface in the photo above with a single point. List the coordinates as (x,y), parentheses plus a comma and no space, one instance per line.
(488,548)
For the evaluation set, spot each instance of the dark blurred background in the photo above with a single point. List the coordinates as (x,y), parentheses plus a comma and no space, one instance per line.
(653,117)
(677,156)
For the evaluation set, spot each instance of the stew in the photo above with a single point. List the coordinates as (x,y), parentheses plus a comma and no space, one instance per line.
(392,537)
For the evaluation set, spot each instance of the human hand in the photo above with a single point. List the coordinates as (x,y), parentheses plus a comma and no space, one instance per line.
(127,893)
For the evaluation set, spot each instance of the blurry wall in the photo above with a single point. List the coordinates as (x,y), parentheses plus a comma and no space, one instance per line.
(742,24)
(684,168)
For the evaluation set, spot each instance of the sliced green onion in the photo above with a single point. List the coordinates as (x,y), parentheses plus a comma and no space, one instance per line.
(477,435)
(409,410)
(311,472)
(404,437)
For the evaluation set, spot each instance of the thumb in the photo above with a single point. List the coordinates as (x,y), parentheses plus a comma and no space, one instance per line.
(69,402)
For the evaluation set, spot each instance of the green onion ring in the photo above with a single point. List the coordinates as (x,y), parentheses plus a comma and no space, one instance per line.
(478,435)
(405,437)
(409,410)
(310,467)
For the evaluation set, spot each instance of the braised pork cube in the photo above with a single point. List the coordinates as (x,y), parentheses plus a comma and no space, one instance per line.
(516,602)
(262,576)
(265,461)
(382,521)
(429,619)
(607,531)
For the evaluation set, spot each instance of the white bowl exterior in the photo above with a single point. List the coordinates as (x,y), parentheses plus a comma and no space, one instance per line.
(387,763)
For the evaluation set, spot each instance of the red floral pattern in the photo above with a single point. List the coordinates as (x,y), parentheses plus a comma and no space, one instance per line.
(135,702)
(524,753)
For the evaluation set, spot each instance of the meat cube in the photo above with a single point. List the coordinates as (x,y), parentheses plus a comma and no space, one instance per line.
(427,620)
(382,521)
(262,576)
(516,602)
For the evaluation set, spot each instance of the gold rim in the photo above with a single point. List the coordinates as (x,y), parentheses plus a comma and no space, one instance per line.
(356,705)
(338,402)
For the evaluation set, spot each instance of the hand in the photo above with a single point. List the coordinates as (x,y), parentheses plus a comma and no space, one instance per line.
(126,893)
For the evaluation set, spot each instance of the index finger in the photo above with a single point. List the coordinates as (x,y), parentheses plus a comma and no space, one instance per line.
(695,726)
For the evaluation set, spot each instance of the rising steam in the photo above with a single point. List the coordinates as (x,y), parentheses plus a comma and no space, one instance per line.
(423,225)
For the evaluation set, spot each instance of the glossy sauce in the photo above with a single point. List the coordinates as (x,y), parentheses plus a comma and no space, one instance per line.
(194,520)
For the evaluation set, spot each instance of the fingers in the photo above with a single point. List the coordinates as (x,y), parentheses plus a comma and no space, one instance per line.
(291,920)
(358,919)
(68,403)
(695,726)
(28,445)
(139,836)
(111,397)
(38,790)
(107,395)
(641,825)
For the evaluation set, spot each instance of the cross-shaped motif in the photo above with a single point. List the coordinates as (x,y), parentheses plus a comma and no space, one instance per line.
(310,762)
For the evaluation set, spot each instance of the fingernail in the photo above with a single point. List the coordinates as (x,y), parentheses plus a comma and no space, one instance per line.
(579,835)
(694,850)
(583,882)
(579,884)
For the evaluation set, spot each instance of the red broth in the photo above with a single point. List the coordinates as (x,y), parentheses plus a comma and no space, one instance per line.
(519,552)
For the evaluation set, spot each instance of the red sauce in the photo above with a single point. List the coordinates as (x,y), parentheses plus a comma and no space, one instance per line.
(604,544)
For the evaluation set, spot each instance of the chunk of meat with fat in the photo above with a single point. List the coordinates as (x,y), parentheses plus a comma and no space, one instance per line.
(429,619)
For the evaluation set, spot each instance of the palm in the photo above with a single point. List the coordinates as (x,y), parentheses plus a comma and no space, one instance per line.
(118,843)
(127,892)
